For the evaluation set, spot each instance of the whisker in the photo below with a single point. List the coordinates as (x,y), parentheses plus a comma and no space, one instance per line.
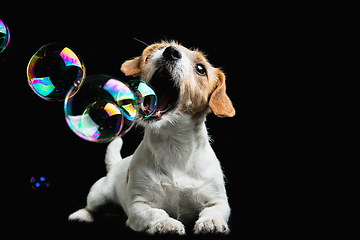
(141,41)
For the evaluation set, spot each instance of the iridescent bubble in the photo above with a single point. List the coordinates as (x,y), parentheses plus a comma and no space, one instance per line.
(39,182)
(146,97)
(53,70)
(101,121)
(94,109)
(4,36)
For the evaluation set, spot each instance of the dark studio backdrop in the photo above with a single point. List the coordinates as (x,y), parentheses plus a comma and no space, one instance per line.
(37,140)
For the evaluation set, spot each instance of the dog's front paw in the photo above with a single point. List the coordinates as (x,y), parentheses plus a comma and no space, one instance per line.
(166,225)
(206,225)
(81,215)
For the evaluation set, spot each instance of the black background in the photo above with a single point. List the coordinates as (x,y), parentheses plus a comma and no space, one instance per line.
(255,50)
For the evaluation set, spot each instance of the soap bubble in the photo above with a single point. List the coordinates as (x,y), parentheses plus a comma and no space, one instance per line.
(53,70)
(145,96)
(39,182)
(4,36)
(101,121)
(103,108)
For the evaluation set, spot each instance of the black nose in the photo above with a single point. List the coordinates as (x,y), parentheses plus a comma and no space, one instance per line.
(172,53)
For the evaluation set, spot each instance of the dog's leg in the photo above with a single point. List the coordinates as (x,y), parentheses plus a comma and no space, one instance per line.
(95,199)
(213,219)
(152,220)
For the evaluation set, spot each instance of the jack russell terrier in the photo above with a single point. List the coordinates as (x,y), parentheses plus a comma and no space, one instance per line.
(174,176)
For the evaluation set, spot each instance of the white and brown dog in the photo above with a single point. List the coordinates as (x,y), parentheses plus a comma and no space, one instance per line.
(174,175)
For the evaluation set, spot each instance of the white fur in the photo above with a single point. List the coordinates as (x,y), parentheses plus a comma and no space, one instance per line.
(174,176)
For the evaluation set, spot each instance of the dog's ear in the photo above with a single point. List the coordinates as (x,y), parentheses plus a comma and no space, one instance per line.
(132,67)
(219,103)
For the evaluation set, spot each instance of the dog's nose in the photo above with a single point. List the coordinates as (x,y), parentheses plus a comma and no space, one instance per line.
(172,53)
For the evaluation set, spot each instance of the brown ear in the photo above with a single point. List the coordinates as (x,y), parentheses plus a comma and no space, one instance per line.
(132,67)
(219,102)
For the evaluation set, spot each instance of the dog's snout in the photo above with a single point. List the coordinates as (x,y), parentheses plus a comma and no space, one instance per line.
(172,53)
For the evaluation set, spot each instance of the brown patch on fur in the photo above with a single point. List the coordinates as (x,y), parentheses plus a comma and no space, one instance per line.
(127,176)
(195,91)
(136,66)
(132,67)
(219,102)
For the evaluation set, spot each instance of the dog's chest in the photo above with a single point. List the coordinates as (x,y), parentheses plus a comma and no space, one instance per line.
(178,196)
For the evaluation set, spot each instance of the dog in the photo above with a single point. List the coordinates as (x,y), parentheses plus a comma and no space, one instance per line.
(174,176)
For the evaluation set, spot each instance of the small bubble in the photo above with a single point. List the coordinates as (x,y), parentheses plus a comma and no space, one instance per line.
(39,183)
(145,96)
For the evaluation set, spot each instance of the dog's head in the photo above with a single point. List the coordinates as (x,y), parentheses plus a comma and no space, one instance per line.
(183,80)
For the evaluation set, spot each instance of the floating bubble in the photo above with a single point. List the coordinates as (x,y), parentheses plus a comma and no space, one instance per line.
(4,36)
(101,121)
(39,182)
(93,113)
(146,97)
(53,70)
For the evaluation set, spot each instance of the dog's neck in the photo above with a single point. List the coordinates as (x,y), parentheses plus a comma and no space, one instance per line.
(175,143)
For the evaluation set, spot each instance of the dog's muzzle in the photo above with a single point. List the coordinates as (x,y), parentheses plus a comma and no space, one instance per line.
(166,91)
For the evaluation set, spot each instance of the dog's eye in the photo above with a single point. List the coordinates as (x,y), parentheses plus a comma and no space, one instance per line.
(200,69)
